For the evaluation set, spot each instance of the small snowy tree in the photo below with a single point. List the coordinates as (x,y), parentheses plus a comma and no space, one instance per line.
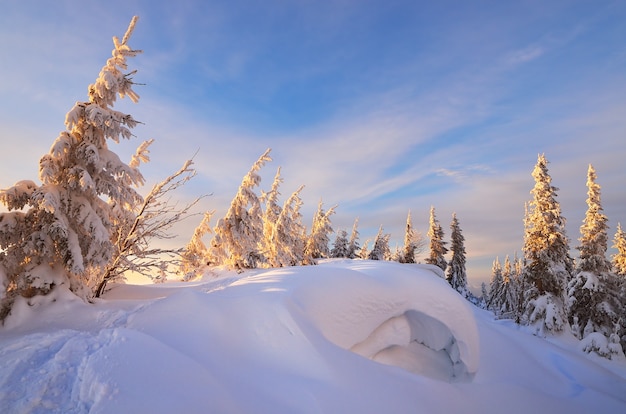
(592,293)
(270,216)
(380,251)
(438,248)
(340,246)
(413,242)
(317,243)
(494,301)
(62,230)
(238,235)
(289,234)
(484,296)
(457,275)
(619,267)
(508,294)
(546,249)
(619,258)
(364,252)
(196,254)
(353,244)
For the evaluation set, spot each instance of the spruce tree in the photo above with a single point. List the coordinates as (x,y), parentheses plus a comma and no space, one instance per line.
(457,275)
(438,248)
(508,291)
(58,232)
(619,258)
(270,218)
(289,237)
(380,251)
(546,250)
(353,244)
(196,254)
(412,242)
(321,228)
(592,293)
(239,234)
(494,300)
(340,246)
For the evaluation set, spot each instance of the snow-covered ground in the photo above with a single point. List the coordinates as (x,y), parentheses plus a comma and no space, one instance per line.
(341,337)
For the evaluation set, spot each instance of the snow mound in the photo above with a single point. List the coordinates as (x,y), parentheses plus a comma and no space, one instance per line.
(402,315)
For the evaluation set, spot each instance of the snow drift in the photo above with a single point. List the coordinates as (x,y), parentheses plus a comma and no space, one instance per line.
(344,336)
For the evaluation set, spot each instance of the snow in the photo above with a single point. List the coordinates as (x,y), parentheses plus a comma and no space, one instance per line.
(344,336)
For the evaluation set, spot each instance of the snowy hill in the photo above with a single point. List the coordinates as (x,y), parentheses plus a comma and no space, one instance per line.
(341,337)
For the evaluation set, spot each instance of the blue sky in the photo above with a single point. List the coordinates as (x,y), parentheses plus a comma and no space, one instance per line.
(376,106)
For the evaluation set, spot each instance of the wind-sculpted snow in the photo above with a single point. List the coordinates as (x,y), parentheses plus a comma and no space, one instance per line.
(405,316)
(343,336)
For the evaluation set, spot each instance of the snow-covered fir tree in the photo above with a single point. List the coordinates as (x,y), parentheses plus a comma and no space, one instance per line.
(289,237)
(593,292)
(340,246)
(619,269)
(380,251)
(270,217)
(319,238)
(495,286)
(364,251)
(593,232)
(239,234)
(413,242)
(353,244)
(196,254)
(508,294)
(438,248)
(56,233)
(619,258)
(484,296)
(546,250)
(457,275)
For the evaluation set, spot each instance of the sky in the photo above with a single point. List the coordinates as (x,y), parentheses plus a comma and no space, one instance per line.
(378,107)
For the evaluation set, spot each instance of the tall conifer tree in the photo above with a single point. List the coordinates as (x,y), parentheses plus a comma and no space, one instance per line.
(438,248)
(457,275)
(62,229)
(619,258)
(593,299)
(353,244)
(413,242)
(239,234)
(380,251)
(546,250)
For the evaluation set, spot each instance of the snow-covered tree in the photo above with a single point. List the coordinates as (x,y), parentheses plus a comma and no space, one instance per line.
(57,232)
(484,296)
(270,215)
(495,286)
(317,243)
(593,292)
(380,251)
(619,258)
(413,242)
(593,232)
(239,234)
(289,237)
(457,275)
(196,254)
(340,246)
(546,250)
(619,268)
(438,248)
(353,244)
(508,294)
